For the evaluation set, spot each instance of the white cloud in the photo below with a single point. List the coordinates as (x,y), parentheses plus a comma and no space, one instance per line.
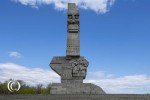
(32,76)
(110,83)
(15,54)
(99,6)
(124,84)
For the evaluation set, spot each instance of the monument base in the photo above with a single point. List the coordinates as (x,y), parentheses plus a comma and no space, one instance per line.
(77,97)
(76,88)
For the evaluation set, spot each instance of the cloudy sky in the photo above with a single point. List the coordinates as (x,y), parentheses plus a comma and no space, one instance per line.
(114,38)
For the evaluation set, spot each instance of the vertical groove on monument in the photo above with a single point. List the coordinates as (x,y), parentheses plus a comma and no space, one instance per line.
(72,68)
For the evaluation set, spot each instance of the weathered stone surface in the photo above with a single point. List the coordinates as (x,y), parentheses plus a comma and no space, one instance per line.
(70,69)
(57,63)
(73,42)
(76,88)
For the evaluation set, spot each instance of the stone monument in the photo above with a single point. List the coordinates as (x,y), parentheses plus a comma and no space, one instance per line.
(72,68)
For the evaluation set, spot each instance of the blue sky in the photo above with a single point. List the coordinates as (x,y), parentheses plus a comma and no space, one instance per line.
(116,41)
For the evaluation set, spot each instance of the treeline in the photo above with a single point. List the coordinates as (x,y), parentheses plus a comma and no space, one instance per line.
(25,89)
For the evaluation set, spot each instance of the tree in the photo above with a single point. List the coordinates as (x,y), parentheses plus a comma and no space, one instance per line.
(25,89)
(39,88)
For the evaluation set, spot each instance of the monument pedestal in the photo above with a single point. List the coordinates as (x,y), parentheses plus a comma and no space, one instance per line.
(72,71)
(76,88)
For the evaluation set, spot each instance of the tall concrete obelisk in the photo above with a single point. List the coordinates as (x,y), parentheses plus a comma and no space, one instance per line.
(72,68)
(73,39)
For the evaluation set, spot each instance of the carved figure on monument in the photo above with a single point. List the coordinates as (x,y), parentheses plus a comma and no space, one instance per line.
(79,67)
